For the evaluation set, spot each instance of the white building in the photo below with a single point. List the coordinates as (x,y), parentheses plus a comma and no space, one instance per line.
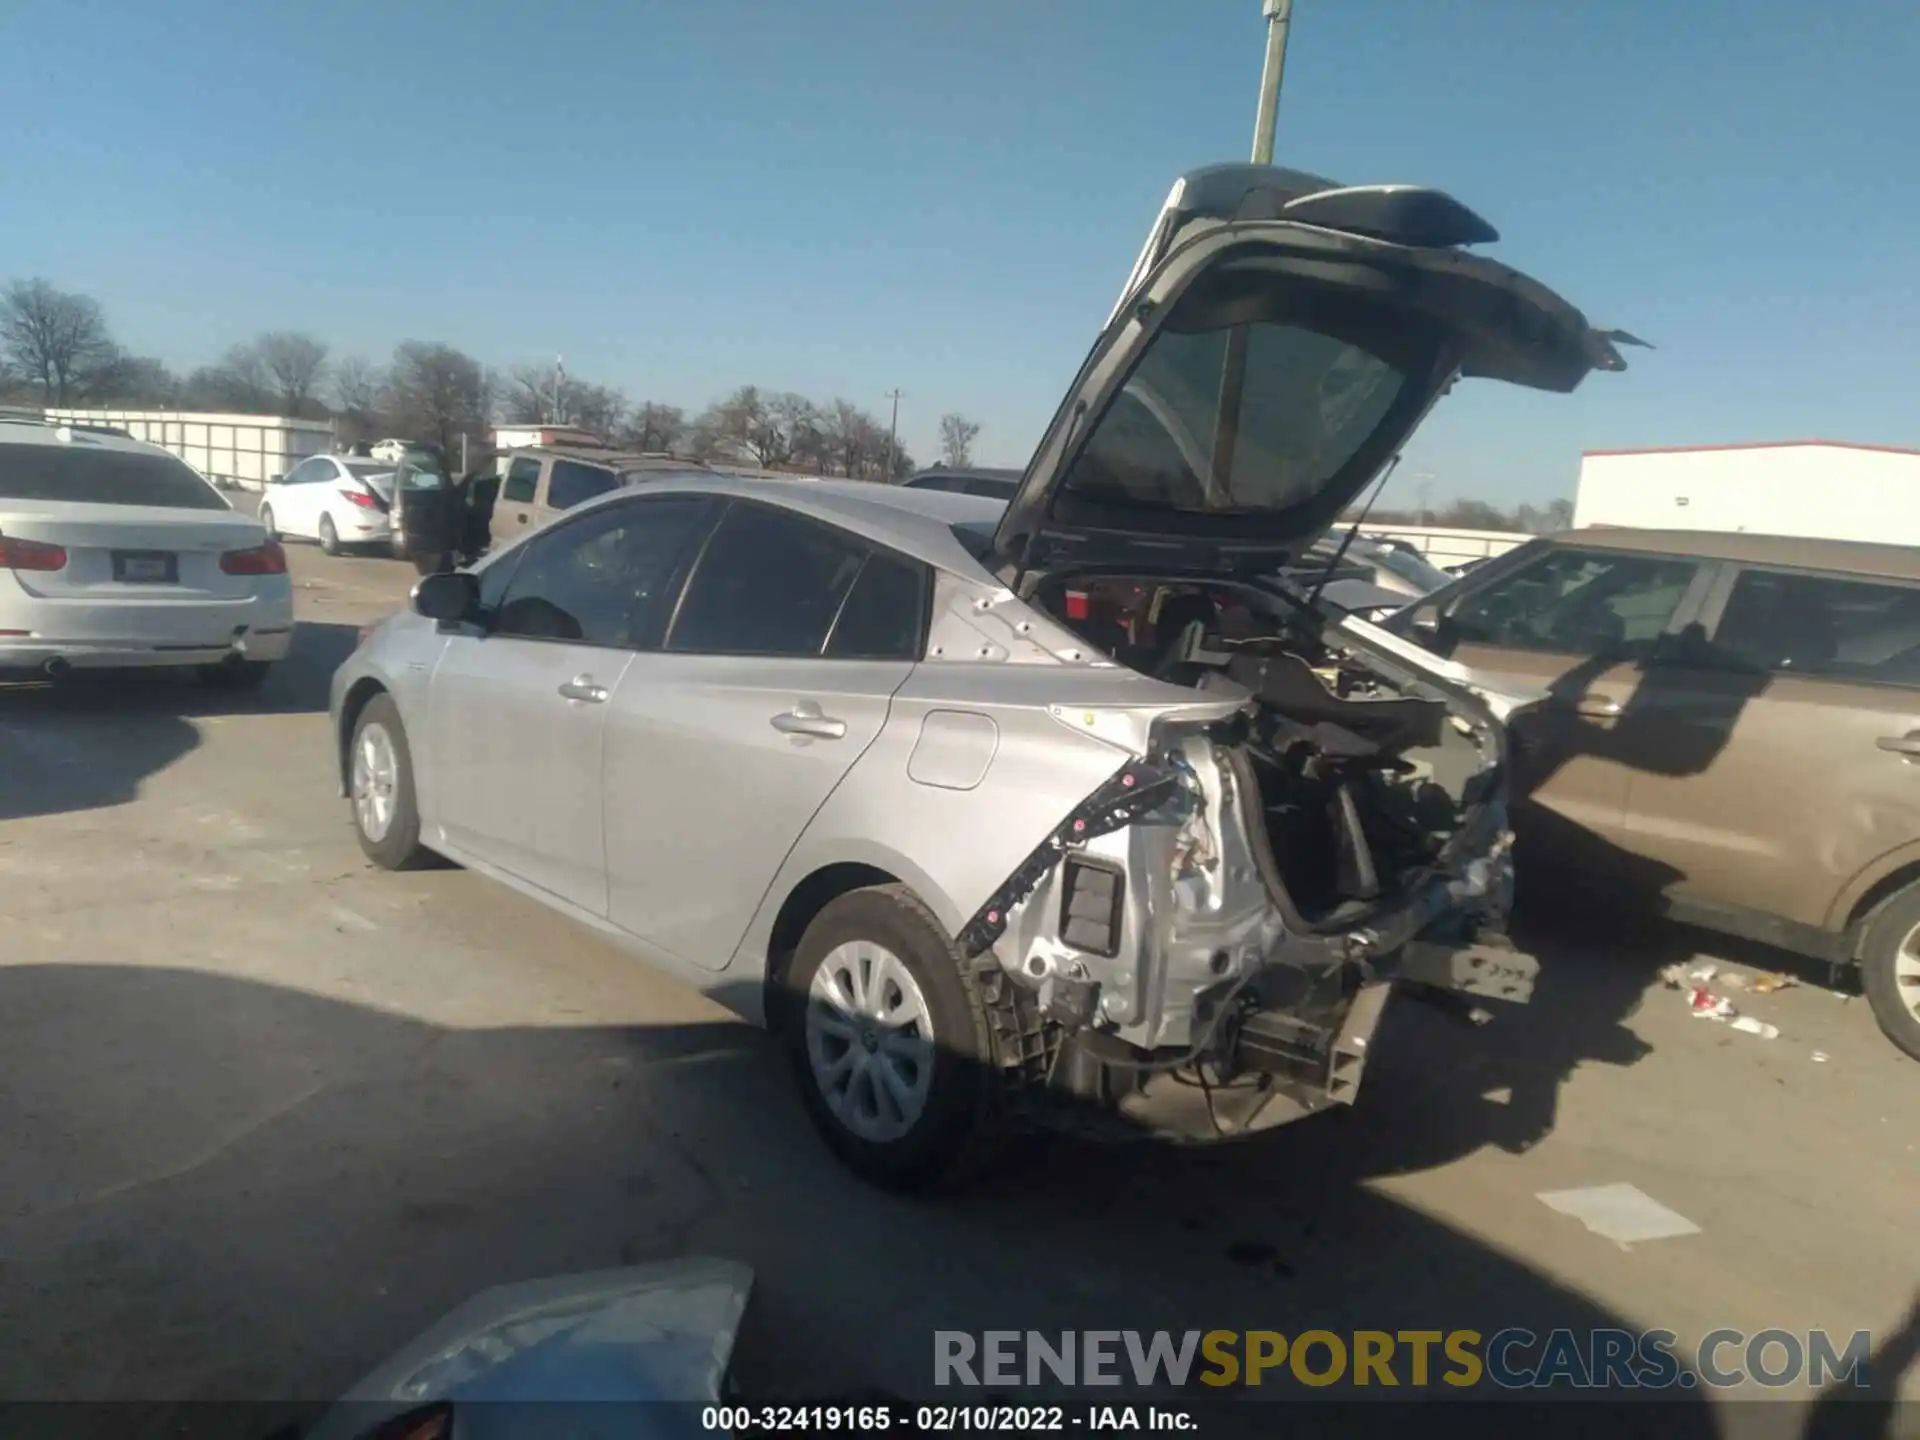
(242,450)
(1825,489)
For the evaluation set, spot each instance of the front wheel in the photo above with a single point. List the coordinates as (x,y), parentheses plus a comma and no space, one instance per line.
(1890,969)
(386,818)
(889,1041)
(329,537)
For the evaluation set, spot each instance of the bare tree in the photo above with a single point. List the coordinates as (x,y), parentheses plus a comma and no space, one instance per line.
(854,442)
(136,381)
(294,368)
(599,408)
(55,340)
(535,395)
(438,394)
(957,434)
(357,387)
(737,425)
(240,381)
(655,427)
(530,395)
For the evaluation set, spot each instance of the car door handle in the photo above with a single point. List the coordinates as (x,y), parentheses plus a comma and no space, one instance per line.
(1597,707)
(807,720)
(581,687)
(1908,745)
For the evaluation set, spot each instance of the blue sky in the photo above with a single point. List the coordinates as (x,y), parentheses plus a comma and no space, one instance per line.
(844,196)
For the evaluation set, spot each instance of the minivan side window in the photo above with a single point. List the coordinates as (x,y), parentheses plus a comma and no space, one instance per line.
(523,478)
(769,582)
(571,483)
(1829,626)
(1576,602)
(599,580)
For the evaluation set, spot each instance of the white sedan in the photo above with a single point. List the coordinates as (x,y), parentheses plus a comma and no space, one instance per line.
(340,500)
(115,554)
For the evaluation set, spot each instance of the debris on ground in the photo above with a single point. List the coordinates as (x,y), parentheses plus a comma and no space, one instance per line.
(1709,1006)
(1706,1005)
(1702,974)
(1734,980)
(1623,1214)
(1820,1057)
(1767,984)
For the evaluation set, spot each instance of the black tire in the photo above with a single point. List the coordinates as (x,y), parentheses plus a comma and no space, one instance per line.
(236,674)
(329,537)
(266,522)
(957,1128)
(1893,1003)
(399,847)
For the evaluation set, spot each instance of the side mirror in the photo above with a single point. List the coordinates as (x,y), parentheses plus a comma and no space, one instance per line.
(277,478)
(449,595)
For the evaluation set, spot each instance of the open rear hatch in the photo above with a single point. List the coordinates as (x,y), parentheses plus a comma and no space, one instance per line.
(1278,341)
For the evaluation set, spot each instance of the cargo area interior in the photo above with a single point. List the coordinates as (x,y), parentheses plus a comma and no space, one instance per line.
(1359,786)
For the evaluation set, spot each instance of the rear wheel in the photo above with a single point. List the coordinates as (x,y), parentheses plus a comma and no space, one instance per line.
(889,1041)
(380,784)
(329,537)
(266,521)
(1890,969)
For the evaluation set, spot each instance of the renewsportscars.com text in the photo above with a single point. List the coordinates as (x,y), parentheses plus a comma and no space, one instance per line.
(1510,1359)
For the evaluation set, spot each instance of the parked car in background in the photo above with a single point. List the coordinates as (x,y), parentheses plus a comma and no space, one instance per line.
(994,484)
(849,758)
(1733,731)
(115,554)
(343,501)
(538,484)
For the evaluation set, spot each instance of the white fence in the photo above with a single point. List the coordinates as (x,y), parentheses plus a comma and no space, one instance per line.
(1445,546)
(235,450)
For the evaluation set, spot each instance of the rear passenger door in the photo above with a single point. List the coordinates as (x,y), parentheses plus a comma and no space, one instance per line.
(777,671)
(1579,624)
(1791,736)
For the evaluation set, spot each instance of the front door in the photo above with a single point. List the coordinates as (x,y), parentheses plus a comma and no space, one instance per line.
(779,672)
(1576,623)
(1788,746)
(519,715)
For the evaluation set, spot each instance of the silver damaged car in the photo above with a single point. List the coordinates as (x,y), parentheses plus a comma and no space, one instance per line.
(1075,811)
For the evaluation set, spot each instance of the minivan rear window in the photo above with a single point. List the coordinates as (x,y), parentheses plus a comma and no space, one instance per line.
(87,476)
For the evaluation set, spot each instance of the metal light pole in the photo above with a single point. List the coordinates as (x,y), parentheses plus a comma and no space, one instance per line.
(1279,14)
(893,432)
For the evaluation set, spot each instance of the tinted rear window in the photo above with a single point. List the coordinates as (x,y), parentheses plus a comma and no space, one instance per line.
(102,477)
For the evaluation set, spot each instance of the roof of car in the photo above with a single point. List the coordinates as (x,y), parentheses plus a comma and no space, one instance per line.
(1893,562)
(913,521)
(43,432)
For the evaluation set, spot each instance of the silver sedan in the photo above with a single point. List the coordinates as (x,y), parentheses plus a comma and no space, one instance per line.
(1051,812)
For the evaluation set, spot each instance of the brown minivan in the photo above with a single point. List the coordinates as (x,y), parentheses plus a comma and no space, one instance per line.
(1732,731)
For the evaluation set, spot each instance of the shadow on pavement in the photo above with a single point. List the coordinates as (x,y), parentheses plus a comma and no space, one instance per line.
(216,1189)
(90,740)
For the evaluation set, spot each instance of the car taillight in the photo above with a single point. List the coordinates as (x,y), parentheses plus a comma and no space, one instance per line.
(31,555)
(1078,605)
(361,498)
(267,559)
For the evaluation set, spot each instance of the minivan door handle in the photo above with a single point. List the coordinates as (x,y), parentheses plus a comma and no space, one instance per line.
(581,687)
(805,719)
(1907,745)
(1597,707)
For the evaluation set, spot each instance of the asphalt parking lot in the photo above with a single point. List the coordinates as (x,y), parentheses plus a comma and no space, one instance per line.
(269,1112)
